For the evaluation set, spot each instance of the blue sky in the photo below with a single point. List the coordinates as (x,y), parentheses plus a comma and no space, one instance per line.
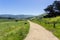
(26,7)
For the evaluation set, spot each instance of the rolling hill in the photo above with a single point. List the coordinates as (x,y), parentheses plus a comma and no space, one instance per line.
(15,16)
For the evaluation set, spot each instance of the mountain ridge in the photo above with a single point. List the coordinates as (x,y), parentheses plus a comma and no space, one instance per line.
(16,16)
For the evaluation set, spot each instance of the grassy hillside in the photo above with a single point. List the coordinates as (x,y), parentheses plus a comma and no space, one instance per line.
(12,30)
(48,24)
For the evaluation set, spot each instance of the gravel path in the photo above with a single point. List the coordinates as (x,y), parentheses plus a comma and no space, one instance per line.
(37,32)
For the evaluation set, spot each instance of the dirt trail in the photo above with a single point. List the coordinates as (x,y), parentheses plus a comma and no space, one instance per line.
(37,32)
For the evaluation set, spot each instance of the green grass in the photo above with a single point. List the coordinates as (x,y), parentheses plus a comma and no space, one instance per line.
(55,31)
(11,30)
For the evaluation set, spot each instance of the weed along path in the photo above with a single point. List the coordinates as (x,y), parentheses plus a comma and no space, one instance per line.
(37,32)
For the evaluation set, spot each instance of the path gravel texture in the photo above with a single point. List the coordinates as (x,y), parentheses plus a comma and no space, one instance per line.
(37,32)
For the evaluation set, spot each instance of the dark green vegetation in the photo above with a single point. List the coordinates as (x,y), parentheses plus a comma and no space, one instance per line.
(48,23)
(13,30)
(53,10)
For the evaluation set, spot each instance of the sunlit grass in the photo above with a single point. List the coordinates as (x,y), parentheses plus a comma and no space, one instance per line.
(49,26)
(13,30)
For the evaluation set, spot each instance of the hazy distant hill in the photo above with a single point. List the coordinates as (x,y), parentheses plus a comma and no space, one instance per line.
(16,16)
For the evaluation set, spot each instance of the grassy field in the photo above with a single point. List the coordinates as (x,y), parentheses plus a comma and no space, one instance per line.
(12,30)
(49,26)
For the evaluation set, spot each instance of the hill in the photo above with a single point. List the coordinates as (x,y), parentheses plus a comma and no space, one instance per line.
(51,24)
(15,16)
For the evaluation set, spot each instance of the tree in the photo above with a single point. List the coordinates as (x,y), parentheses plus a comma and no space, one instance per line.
(50,11)
(53,10)
(57,7)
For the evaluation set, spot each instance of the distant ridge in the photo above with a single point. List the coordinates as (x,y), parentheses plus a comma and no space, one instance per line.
(16,16)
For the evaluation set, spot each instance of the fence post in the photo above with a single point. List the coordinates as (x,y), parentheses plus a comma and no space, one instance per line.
(54,24)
